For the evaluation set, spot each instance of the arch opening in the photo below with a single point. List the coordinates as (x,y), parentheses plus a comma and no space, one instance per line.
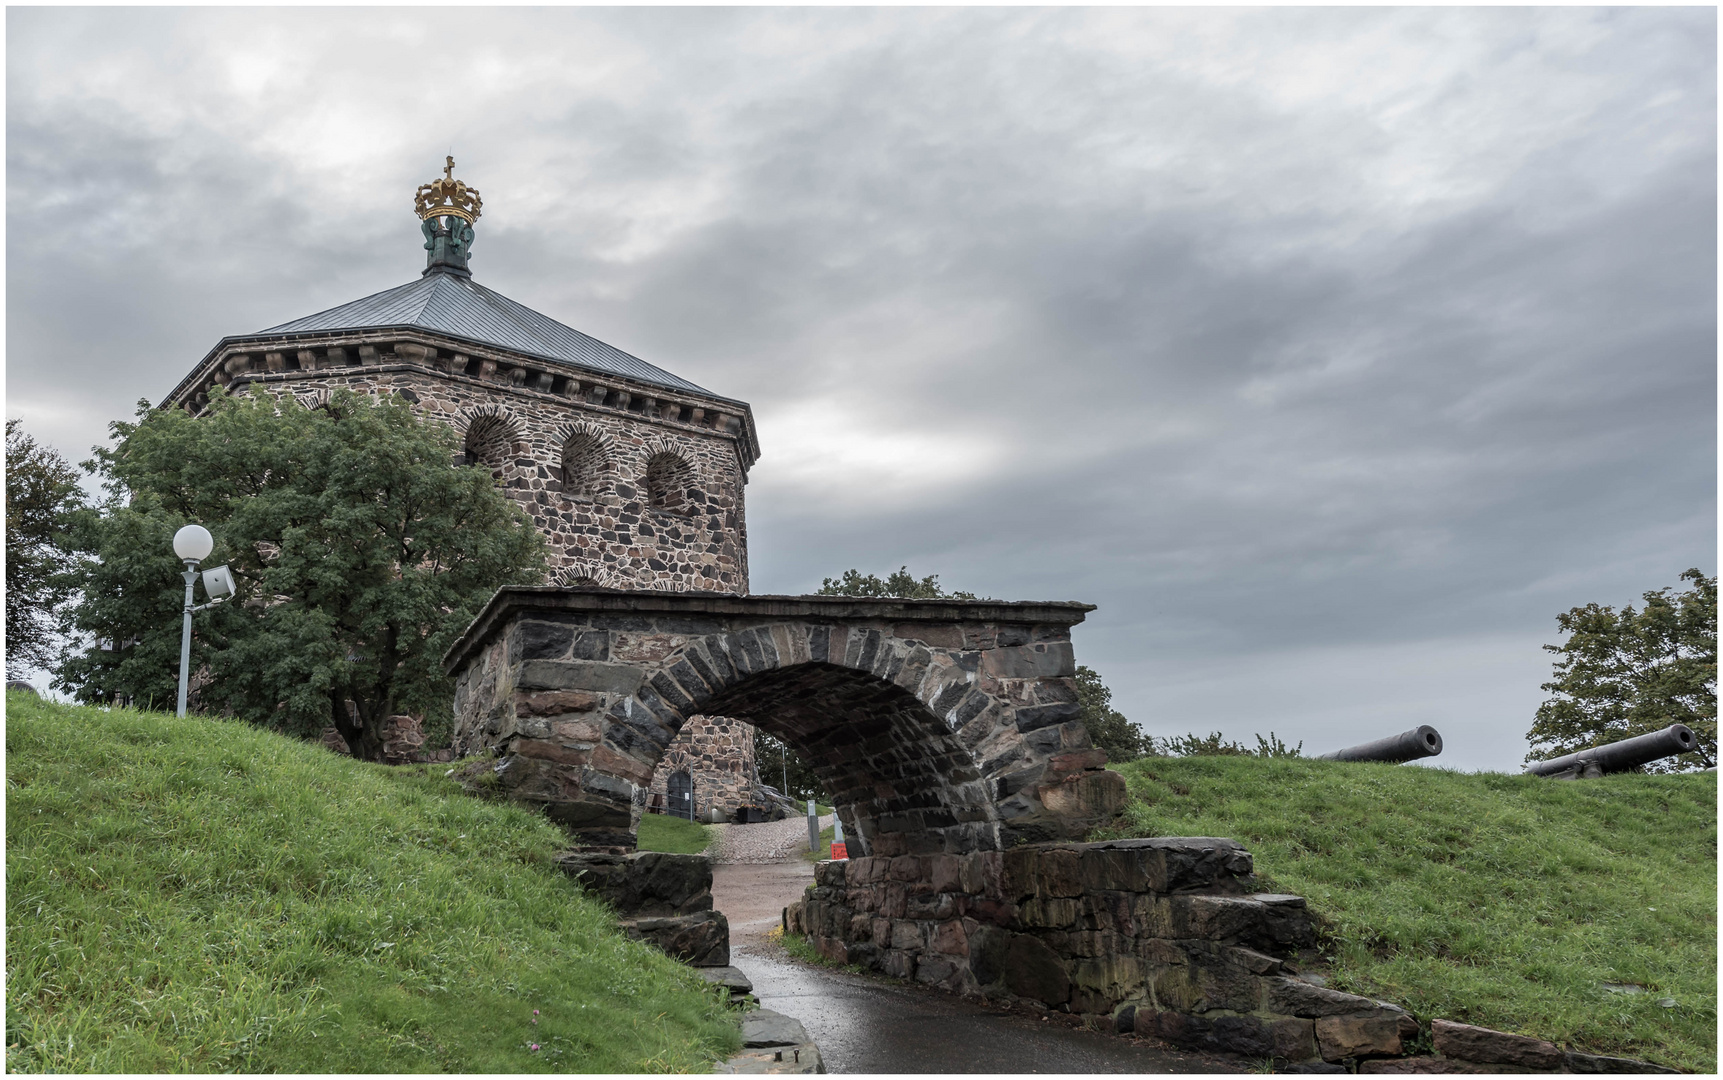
(900,779)
(668,480)
(487,443)
(585,460)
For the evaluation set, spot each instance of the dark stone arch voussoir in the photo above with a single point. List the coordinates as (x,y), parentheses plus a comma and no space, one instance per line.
(936,725)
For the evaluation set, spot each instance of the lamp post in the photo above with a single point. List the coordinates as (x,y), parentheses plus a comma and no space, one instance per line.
(193,544)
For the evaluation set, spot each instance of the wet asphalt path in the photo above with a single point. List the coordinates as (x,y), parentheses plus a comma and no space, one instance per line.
(868,1024)
(864,1025)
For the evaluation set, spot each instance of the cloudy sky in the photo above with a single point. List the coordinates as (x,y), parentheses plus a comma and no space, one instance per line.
(1331,352)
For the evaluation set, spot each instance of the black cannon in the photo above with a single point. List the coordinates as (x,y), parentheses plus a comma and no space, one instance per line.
(1421,742)
(1623,756)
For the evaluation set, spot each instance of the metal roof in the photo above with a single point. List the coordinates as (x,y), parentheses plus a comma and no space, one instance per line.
(460,307)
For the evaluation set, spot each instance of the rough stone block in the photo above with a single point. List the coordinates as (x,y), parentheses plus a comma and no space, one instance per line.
(934,970)
(1034,971)
(554,702)
(1357,1036)
(1576,1062)
(579,675)
(897,964)
(763,1028)
(907,868)
(1089,798)
(949,939)
(1058,873)
(699,940)
(832,949)
(545,750)
(1295,997)
(1294,1039)
(544,641)
(906,936)
(1469,1043)
(1048,913)
(1188,863)
(644,883)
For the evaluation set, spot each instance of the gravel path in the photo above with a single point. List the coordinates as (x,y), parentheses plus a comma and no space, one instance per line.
(764,842)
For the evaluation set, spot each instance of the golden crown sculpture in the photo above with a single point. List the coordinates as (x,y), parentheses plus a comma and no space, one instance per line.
(447,197)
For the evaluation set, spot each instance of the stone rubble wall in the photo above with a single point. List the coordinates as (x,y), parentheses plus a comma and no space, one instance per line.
(1164,936)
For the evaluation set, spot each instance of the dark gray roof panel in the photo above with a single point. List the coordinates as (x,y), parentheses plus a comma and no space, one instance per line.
(461,307)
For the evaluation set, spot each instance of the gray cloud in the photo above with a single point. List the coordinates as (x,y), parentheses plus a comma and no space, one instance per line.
(1330,351)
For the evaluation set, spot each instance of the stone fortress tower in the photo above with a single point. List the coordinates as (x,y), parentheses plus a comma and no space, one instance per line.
(633,475)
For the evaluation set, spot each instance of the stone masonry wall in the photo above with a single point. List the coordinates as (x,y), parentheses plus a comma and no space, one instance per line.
(1163,936)
(601,530)
(718,755)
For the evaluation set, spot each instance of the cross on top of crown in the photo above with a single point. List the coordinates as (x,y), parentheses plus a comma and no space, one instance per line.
(447,197)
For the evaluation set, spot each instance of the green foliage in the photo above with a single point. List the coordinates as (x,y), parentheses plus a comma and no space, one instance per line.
(359,550)
(42,497)
(1108,728)
(1627,673)
(776,760)
(1217,745)
(900,583)
(206,896)
(678,836)
(1505,901)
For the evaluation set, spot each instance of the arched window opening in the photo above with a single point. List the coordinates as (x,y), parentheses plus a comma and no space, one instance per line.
(584,463)
(668,478)
(487,443)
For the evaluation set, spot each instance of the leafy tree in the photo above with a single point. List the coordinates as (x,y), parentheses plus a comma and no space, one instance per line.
(901,584)
(1629,672)
(1108,728)
(781,767)
(359,550)
(42,497)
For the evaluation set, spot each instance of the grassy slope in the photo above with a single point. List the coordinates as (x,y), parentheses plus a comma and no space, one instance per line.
(1499,900)
(677,836)
(199,896)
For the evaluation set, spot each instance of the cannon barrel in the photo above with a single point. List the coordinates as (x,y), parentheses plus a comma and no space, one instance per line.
(1421,742)
(1623,755)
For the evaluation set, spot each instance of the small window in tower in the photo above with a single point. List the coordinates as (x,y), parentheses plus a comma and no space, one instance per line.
(487,443)
(584,463)
(668,477)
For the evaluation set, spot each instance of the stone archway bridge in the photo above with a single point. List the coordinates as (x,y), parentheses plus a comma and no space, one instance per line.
(947,734)
(937,726)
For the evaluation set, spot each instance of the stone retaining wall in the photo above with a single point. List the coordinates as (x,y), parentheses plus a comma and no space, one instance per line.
(1164,936)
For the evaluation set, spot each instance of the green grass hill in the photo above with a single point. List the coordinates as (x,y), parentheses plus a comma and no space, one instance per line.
(199,895)
(1583,912)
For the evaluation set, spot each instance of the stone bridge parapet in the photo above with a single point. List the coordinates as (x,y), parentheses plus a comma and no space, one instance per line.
(937,726)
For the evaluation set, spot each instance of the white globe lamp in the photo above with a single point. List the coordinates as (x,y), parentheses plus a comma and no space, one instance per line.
(193,543)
